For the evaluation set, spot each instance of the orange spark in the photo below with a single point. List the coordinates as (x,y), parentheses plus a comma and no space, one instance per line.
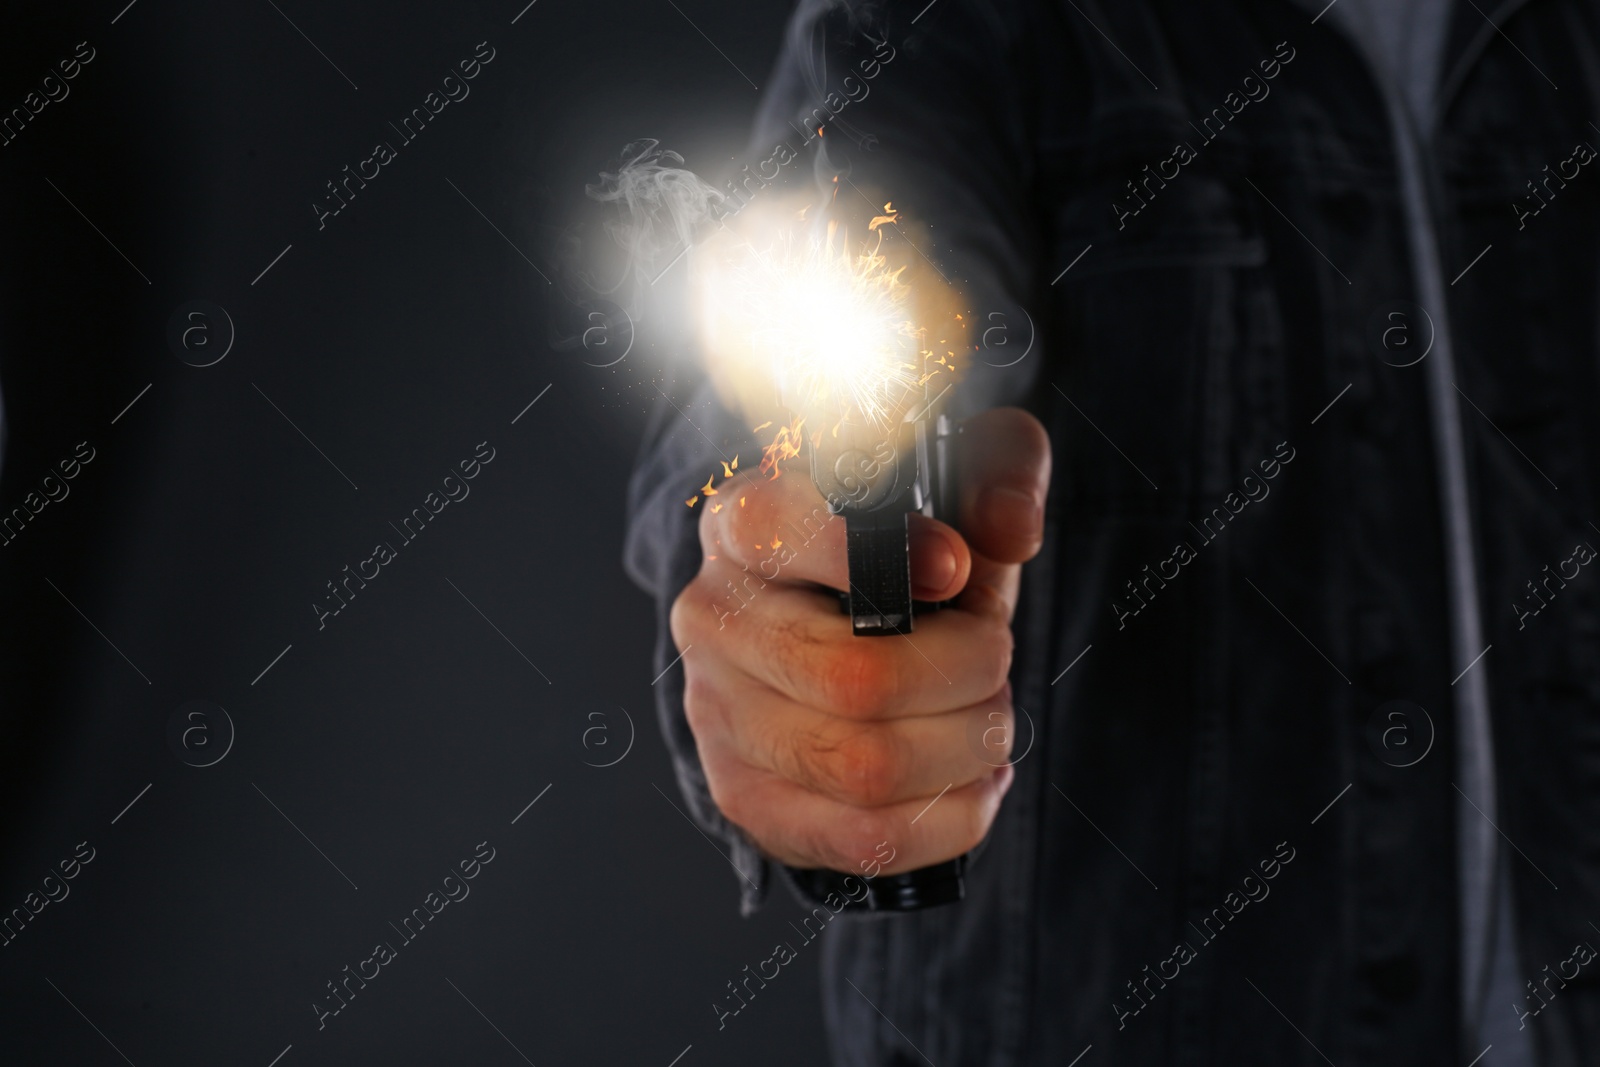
(785,445)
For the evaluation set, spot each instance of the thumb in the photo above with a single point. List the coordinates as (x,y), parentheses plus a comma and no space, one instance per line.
(1004,469)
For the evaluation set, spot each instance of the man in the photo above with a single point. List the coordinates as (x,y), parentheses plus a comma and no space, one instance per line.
(1302,675)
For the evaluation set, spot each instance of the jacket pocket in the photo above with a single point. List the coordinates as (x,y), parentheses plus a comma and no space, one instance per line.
(1168,326)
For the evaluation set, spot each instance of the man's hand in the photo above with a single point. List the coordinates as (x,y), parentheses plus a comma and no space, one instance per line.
(821,745)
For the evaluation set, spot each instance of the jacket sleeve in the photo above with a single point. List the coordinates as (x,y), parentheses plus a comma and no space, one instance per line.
(686,441)
(930,110)
(935,107)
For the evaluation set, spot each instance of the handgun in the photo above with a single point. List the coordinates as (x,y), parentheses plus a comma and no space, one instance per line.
(874,478)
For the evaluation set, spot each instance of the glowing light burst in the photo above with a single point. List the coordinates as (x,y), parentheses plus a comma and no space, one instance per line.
(830,325)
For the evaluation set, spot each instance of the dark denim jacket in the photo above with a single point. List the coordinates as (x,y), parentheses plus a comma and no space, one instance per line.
(1218,849)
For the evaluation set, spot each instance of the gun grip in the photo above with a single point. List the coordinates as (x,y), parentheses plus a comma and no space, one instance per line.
(878,547)
(927,887)
(880,605)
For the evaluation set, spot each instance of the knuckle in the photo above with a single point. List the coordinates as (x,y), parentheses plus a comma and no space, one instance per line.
(791,649)
(710,525)
(998,645)
(988,602)
(857,681)
(864,769)
(678,622)
(844,845)
(976,828)
(734,543)
(740,527)
(972,824)
(700,704)
(701,610)
(997,738)
(736,528)
(727,781)
(689,612)
(729,801)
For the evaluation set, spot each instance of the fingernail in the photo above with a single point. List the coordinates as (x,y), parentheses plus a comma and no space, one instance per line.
(933,563)
(1014,511)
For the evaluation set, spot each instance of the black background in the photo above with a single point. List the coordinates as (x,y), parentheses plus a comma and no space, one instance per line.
(189,551)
